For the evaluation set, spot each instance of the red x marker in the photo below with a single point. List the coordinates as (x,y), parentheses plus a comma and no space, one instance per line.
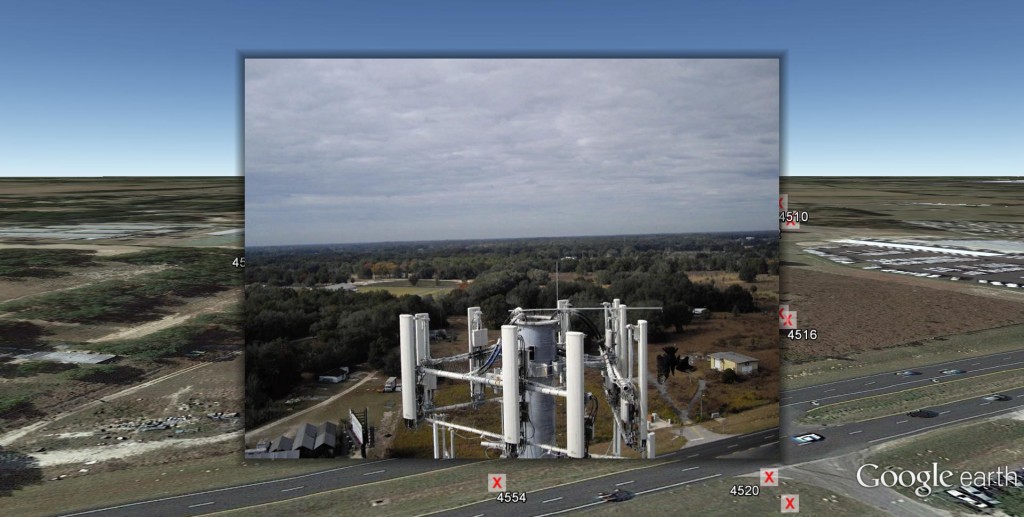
(790,503)
(496,483)
(769,477)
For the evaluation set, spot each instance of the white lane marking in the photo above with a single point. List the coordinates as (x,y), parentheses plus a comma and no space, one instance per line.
(769,444)
(984,403)
(692,456)
(903,384)
(374,472)
(855,432)
(224,489)
(869,383)
(678,484)
(769,437)
(200,504)
(570,509)
(293,488)
(1014,408)
(943,412)
(733,446)
(689,468)
(551,500)
(975,364)
(625,482)
(902,421)
(833,389)
(885,374)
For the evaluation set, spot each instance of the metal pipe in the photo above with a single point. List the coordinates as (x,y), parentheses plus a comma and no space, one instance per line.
(574,410)
(629,352)
(510,381)
(437,452)
(487,434)
(621,341)
(642,373)
(499,383)
(406,333)
(452,455)
(472,320)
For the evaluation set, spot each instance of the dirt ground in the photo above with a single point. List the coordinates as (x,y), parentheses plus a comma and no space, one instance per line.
(866,311)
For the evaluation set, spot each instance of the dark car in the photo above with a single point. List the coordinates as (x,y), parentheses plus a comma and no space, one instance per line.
(907,373)
(615,496)
(923,413)
(997,397)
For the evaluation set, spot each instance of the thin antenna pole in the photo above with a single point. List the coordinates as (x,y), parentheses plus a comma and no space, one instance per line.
(556,278)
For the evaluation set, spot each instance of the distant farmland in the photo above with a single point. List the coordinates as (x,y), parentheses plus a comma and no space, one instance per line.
(422,288)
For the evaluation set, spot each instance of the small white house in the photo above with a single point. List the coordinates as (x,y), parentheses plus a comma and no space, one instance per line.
(741,364)
(334,376)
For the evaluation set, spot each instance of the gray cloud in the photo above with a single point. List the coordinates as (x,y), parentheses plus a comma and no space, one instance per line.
(363,150)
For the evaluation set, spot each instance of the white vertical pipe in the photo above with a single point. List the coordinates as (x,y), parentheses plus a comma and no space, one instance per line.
(407,333)
(575,432)
(563,320)
(641,331)
(422,336)
(651,449)
(510,383)
(623,344)
(437,450)
(629,352)
(472,313)
(452,455)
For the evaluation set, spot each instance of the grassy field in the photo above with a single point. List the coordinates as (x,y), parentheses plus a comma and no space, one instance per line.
(915,398)
(402,287)
(366,396)
(978,447)
(79,492)
(925,352)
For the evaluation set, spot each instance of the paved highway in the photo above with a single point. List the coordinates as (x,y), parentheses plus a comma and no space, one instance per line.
(766,442)
(840,439)
(687,466)
(729,457)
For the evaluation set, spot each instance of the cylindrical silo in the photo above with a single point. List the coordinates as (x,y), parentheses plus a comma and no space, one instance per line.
(540,336)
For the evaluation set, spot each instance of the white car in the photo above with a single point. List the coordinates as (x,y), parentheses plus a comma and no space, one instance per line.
(808,438)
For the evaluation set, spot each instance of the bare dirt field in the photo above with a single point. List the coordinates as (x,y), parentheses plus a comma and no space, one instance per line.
(863,312)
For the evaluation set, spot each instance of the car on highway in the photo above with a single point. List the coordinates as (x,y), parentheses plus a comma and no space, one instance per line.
(907,373)
(615,496)
(808,438)
(997,397)
(952,372)
(923,413)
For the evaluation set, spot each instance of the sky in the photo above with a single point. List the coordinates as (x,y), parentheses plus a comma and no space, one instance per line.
(118,87)
(368,150)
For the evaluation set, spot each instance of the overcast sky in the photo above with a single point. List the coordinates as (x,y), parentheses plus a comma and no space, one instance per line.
(364,150)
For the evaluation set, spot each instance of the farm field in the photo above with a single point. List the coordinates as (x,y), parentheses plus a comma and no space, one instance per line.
(119,336)
(857,310)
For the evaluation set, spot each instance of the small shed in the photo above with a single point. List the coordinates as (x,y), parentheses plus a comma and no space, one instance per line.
(741,364)
(333,376)
(701,314)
